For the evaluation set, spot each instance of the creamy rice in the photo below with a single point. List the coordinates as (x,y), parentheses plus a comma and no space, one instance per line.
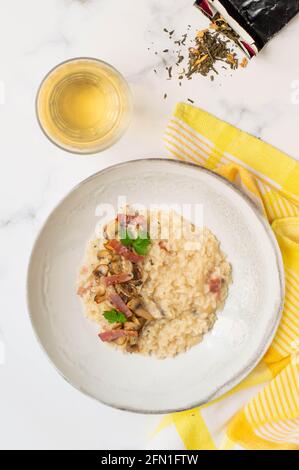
(185,282)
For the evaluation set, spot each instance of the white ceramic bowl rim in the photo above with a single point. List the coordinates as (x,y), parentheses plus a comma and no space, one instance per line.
(274,319)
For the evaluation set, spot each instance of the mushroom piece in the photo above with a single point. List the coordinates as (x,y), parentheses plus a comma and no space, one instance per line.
(134,303)
(115,267)
(127,290)
(119,265)
(130,325)
(137,275)
(132,344)
(137,272)
(104,257)
(99,298)
(136,306)
(139,321)
(128,266)
(100,270)
(141,312)
(131,348)
(101,290)
(121,341)
(111,230)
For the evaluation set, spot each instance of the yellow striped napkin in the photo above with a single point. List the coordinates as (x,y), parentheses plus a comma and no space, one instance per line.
(263,411)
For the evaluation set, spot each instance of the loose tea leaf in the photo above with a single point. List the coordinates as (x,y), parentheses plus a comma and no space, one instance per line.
(210,46)
(180,59)
(184,37)
(169,70)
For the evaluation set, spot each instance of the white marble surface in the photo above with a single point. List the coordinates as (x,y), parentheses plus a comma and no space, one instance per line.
(37,408)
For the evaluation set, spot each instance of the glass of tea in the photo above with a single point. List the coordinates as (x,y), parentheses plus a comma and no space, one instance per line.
(84,105)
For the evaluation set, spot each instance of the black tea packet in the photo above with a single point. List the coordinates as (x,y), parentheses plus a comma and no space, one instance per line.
(255,21)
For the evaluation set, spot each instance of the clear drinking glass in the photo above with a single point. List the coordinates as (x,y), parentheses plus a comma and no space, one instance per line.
(84,105)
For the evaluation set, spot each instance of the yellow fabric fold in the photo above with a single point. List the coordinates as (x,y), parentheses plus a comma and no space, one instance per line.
(268,417)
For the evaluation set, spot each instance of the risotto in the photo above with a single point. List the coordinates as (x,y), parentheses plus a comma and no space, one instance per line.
(154,283)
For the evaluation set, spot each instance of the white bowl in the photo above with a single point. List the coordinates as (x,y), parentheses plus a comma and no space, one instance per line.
(242,333)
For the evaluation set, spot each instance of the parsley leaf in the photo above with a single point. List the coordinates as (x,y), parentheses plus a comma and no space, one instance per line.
(141,245)
(114,316)
(125,238)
